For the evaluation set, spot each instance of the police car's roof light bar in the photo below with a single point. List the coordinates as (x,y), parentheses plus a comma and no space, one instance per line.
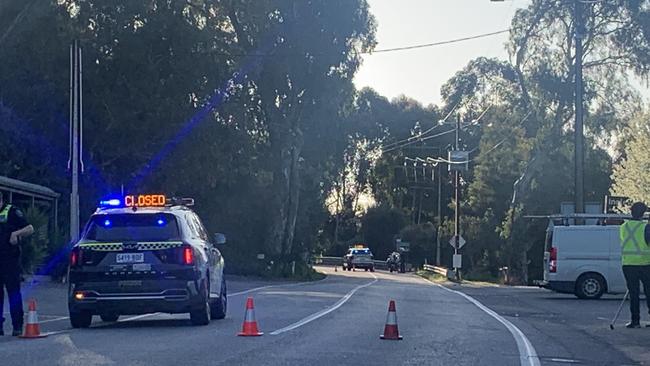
(145,200)
(113,202)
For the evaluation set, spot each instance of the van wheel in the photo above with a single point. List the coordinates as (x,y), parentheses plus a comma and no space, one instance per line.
(590,286)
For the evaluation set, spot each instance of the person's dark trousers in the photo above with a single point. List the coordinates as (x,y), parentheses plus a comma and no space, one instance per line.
(10,279)
(634,275)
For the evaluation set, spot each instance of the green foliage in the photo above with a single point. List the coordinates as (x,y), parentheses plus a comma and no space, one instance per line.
(422,239)
(630,175)
(34,249)
(379,227)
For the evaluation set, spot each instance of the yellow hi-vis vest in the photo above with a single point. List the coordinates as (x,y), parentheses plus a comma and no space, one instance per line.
(635,250)
(4,214)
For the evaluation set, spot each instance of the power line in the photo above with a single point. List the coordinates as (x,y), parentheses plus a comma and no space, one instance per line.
(440,123)
(496,146)
(463,39)
(383,50)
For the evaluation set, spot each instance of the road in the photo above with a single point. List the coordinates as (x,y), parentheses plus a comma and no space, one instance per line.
(337,320)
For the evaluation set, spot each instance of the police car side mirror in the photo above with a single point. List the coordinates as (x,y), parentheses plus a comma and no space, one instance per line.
(219,239)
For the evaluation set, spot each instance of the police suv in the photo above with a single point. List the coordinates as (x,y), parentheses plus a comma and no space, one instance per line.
(358,256)
(143,254)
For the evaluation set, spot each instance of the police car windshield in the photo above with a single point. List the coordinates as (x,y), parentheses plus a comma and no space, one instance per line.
(133,227)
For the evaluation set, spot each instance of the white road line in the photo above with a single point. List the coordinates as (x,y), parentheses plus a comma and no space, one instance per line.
(270,286)
(527,353)
(137,317)
(564,360)
(54,320)
(325,311)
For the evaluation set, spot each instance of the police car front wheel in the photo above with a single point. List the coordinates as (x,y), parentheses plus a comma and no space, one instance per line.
(81,319)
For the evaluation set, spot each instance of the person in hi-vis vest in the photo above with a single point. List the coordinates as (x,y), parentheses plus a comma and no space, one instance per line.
(635,257)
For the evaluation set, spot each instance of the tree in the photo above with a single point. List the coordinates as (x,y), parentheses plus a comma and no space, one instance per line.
(630,175)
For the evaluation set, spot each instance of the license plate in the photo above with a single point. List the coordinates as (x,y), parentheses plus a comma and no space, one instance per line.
(140,267)
(129,258)
(130,283)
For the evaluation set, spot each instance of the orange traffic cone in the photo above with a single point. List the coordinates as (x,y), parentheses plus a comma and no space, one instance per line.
(32,328)
(249,328)
(390,330)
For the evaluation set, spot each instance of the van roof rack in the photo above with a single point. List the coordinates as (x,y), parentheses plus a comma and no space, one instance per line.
(570,219)
(580,216)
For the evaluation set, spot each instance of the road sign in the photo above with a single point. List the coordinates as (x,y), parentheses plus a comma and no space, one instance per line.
(402,246)
(458,160)
(458,260)
(461,241)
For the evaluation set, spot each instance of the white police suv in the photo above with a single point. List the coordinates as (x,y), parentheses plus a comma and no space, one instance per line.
(143,254)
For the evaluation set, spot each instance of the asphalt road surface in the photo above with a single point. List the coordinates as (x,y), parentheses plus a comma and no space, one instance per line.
(337,321)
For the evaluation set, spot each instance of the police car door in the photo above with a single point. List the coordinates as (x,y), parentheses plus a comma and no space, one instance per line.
(214,256)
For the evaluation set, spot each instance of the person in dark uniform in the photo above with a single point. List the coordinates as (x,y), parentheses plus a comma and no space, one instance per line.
(13,227)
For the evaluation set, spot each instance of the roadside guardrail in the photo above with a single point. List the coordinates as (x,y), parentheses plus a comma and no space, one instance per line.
(439,270)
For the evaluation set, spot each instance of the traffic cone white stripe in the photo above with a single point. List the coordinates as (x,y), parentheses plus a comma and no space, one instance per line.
(32,317)
(391,318)
(250,315)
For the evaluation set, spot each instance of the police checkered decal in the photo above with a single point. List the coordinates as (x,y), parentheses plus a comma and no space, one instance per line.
(158,245)
(118,247)
(102,247)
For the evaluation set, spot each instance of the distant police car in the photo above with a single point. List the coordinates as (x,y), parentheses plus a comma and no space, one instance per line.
(142,254)
(358,256)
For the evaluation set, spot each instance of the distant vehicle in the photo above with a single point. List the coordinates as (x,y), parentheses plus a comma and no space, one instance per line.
(584,260)
(358,256)
(144,254)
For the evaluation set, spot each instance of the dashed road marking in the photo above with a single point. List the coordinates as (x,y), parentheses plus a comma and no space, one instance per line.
(563,360)
(325,311)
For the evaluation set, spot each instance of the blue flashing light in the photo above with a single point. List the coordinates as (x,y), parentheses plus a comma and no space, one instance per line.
(115,202)
(107,223)
(161,222)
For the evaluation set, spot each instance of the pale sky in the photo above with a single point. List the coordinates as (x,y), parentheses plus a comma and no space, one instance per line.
(420,73)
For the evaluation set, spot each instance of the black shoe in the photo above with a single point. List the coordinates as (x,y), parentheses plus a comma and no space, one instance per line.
(632,325)
(16,332)
(2,332)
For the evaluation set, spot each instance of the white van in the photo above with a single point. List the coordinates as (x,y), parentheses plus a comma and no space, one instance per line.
(584,260)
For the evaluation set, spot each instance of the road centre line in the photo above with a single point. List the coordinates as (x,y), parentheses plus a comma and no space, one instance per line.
(325,311)
(54,320)
(273,286)
(527,353)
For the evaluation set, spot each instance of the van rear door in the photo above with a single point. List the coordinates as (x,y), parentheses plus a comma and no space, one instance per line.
(615,281)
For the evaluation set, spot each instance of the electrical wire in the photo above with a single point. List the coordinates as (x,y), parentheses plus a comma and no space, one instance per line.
(496,146)
(433,44)
(383,50)
(440,123)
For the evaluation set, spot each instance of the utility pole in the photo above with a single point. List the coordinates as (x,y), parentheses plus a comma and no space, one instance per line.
(579,134)
(439,231)
(76,133)
(457,197)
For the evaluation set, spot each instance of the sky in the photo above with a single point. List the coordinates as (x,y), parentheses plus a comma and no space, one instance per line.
(421,73)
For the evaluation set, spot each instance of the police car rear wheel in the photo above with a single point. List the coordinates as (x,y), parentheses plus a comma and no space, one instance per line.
(219,307)
(201,315)
(81,319)
(109,318)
